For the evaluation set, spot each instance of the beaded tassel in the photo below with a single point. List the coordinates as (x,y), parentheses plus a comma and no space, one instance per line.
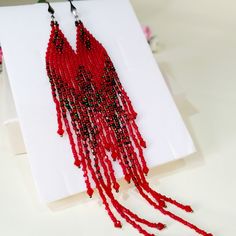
(99,119)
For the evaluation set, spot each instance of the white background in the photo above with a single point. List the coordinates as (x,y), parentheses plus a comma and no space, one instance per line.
(198,51)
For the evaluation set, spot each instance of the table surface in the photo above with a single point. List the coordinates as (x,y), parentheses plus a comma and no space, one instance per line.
(197,55)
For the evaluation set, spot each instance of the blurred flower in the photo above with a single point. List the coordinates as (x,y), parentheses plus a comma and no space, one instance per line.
(147,32)
(1,55)
(151,39)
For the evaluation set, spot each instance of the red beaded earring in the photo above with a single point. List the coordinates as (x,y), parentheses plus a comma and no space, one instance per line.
(97,114)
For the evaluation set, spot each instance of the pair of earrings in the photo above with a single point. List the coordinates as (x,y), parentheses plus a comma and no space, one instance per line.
(99,119)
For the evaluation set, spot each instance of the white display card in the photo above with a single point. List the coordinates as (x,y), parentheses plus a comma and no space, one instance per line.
(24,34)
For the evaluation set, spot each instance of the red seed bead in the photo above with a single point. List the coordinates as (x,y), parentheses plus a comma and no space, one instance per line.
(60,132)
(161,226)
(118,224)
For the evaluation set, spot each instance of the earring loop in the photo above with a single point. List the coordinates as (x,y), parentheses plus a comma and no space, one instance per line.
(51,11)
(73,10)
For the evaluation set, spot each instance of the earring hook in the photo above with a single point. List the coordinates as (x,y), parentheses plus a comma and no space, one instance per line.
(51,11)
(73,9)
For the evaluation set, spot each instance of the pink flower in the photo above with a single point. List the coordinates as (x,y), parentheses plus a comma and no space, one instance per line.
(147,32)
(1,55)
(151,39)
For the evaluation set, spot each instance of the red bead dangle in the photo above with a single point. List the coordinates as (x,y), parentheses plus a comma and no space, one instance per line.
(99,119)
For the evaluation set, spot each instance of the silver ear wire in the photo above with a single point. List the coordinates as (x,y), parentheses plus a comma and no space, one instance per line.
(73,10)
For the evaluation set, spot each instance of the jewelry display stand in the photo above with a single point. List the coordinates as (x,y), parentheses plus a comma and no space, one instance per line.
(113,22)
(8,118)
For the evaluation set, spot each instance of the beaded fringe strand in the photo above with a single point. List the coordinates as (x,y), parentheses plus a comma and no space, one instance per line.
(97,114)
